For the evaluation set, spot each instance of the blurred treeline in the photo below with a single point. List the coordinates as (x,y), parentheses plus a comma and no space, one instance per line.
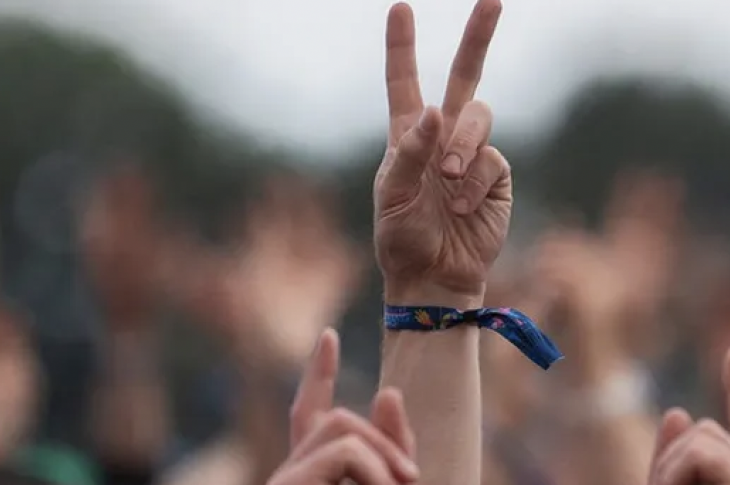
(68,95)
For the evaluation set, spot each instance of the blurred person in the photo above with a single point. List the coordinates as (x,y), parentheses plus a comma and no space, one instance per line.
(334,445)
(610,287)
(645,226)
(604,406)
(122,244)
(689,452)
(290,262)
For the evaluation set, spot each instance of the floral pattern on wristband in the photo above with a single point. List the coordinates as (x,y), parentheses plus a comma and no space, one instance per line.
(511,324)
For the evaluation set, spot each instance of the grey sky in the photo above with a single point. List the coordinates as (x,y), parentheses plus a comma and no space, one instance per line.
(310,72)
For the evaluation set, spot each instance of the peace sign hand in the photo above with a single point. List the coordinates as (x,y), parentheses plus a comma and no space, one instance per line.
(443,196)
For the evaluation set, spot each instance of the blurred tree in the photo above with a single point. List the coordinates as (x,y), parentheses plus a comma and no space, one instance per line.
(64,93)
(612,124)
(67,99)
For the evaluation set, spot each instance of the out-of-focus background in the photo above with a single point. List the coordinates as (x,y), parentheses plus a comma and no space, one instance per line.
(202,171)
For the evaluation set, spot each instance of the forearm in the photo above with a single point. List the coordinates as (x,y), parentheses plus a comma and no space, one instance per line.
(438,373)
(617,451)
(130,416)
(614,435)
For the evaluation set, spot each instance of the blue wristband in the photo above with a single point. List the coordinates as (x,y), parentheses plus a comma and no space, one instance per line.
(511,324)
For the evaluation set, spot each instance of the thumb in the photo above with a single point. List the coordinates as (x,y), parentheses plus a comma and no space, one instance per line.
(415,150)
(389,416)
(675,422)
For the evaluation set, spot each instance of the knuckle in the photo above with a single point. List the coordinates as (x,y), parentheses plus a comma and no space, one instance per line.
(339,419)
(477,183)
(709,426)
(698,452)
(351,446)
(496,158)
(480,110)
(466,138)
(409,146)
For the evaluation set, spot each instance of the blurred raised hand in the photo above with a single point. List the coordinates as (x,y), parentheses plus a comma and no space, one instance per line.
(291,274)
(611,286)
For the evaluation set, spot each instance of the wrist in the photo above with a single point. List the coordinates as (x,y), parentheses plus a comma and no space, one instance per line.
(430,294)
(624,391)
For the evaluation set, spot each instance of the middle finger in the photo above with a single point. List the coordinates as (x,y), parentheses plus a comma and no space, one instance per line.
(466,70)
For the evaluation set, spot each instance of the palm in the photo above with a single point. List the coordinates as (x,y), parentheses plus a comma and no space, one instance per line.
(417,232)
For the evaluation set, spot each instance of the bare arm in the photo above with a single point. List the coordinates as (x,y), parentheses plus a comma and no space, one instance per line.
(438,374)
(613,436)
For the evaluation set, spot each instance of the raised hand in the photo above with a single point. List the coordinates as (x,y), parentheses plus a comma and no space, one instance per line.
(689,453)
(290,276)
(331,445)
(443,196)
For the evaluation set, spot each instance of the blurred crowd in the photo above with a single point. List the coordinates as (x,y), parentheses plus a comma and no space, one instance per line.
(638,305)
(624,304)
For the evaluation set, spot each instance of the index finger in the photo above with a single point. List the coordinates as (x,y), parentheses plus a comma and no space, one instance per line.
(466,70)
(317,386)
(401,70)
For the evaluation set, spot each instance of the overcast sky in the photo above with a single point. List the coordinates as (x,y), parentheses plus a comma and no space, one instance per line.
(310,71)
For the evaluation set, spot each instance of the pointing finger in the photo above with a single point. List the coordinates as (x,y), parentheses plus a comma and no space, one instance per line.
(471,131)
(317,386)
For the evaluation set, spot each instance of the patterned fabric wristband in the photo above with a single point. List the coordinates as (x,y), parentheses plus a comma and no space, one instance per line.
(511,324)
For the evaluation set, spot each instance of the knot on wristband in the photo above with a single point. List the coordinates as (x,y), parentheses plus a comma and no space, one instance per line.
(511,324)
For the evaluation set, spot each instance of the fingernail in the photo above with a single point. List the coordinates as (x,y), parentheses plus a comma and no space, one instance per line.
(460,206)
(452,164)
